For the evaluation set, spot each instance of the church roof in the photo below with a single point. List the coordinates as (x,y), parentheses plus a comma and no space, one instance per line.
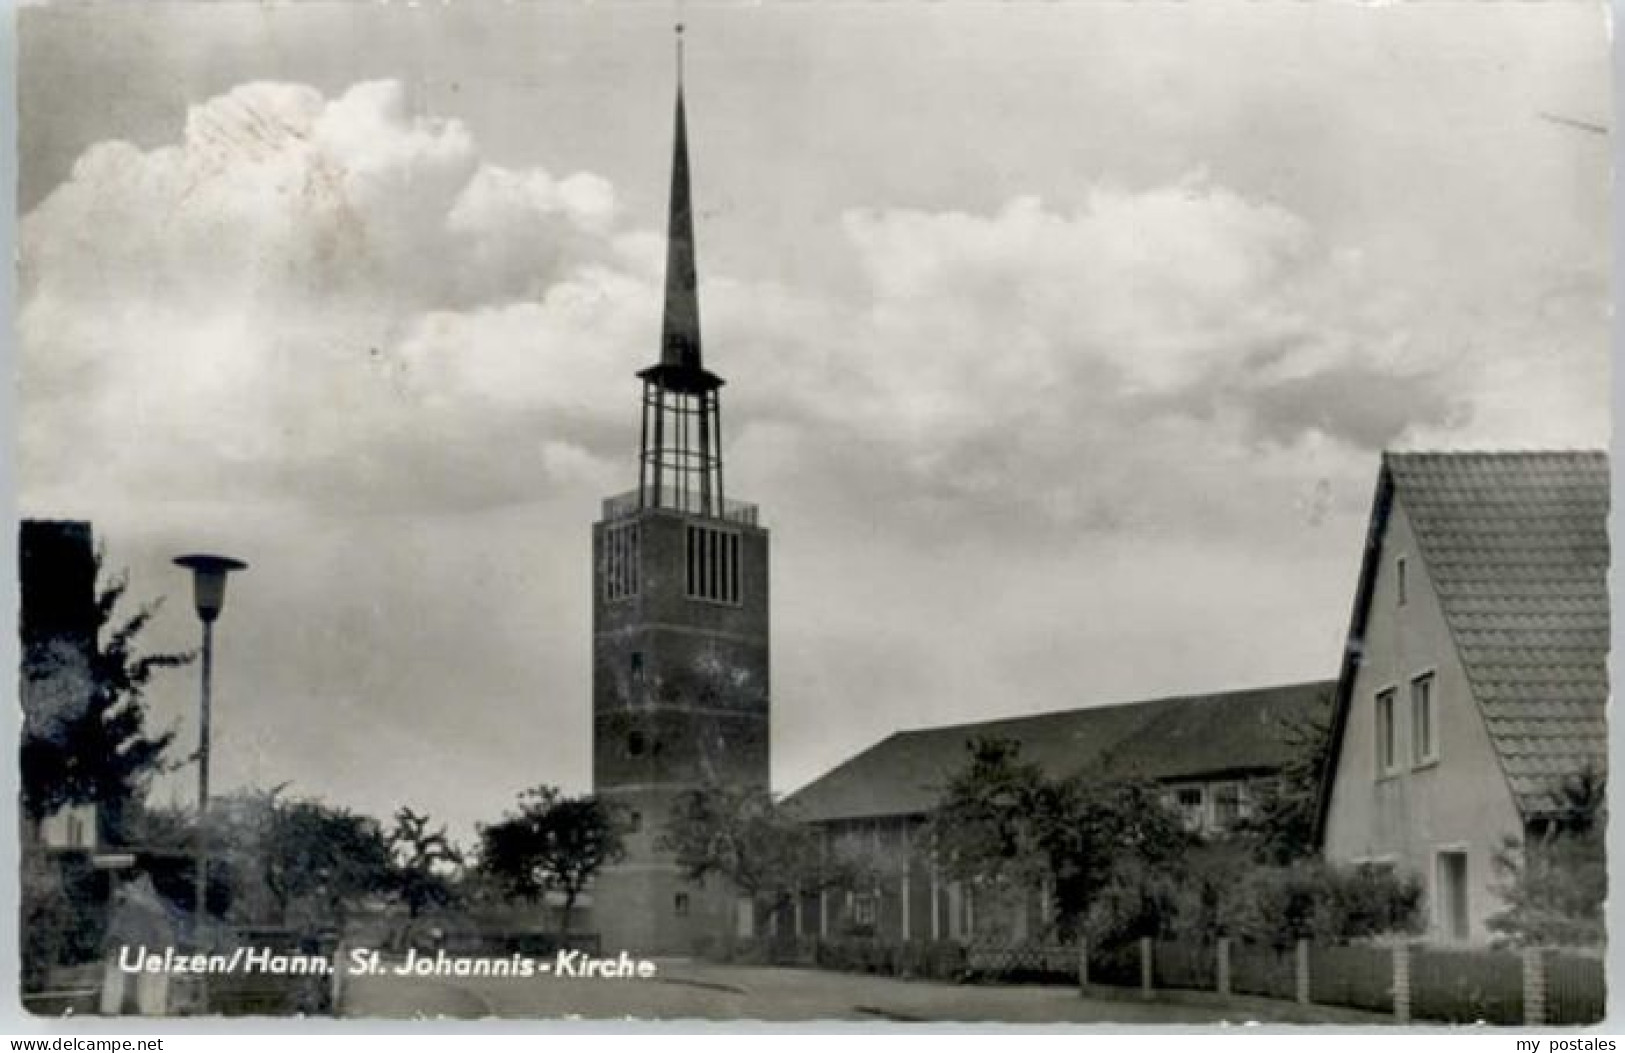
(1195,736)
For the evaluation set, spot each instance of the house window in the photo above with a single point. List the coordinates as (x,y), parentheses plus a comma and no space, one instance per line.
(679,904)
(864,908)
(1227,805)
(636,744)
(621,561)
(1387,733)
(1399,579)
(634,821)
(713,564)
(1424,726)
(1190,802)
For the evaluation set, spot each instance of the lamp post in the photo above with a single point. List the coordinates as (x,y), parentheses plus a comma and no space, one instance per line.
(209,595)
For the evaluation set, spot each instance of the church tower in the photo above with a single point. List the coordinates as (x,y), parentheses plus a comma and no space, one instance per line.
(680,624)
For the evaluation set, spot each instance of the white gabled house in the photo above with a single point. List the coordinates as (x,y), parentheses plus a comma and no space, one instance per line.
(1475,681)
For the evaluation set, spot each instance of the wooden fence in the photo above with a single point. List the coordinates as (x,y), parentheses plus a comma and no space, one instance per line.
(1574,989)
(1448,985)
(1405,981)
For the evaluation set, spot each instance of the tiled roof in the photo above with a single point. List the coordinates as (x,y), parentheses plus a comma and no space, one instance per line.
(1173,738)
(1516,545)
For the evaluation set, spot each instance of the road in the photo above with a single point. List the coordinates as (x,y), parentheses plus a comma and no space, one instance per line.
(697,990)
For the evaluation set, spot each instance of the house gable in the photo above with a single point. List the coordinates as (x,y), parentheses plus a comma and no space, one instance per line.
(1517,546)
(1439,789)
(1515,550)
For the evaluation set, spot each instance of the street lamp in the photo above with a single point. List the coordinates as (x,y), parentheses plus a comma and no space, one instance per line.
(209,595)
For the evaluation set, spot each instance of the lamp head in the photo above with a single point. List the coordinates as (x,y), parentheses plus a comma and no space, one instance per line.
(209,581)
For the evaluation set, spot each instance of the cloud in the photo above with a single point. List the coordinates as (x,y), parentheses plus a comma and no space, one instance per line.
(345,303)
(1156,295)
(258,301)
(1093,369)
(397,375)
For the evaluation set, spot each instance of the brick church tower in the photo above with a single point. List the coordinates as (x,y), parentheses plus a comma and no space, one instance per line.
(680,625)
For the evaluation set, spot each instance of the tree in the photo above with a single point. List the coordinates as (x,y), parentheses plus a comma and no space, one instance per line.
(315,862)
(756,844)
(552,843)
(1003,823)
(85,738)
(1119,856)
(165,839)
(426,863)
(1555,881)
(991,822)
(1279,826)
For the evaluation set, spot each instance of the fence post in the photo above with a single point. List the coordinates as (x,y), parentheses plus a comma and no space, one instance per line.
(1402,983)
(1083,965)
(1301,971)
(1145,967)
(336,990)
(1223,951)
(1534,986)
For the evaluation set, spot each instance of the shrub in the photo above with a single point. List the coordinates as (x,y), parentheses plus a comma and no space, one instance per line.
(1311,900)
(1366,901)
(63,915)
(920,959)
(1554,890)
(1138,900)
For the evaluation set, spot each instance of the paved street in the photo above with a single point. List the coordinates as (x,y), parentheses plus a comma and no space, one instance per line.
(687,989)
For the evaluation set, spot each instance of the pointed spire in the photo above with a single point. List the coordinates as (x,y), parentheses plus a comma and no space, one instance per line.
(680,332)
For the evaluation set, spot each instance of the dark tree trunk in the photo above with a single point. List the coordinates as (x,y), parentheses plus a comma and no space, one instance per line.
(564,915)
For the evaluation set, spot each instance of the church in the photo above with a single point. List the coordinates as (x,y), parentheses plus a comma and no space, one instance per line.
(680,687)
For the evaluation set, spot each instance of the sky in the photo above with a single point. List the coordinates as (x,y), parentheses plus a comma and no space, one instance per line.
(1062,341)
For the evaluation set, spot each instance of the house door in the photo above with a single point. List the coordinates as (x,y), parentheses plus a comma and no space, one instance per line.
(1451,887)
